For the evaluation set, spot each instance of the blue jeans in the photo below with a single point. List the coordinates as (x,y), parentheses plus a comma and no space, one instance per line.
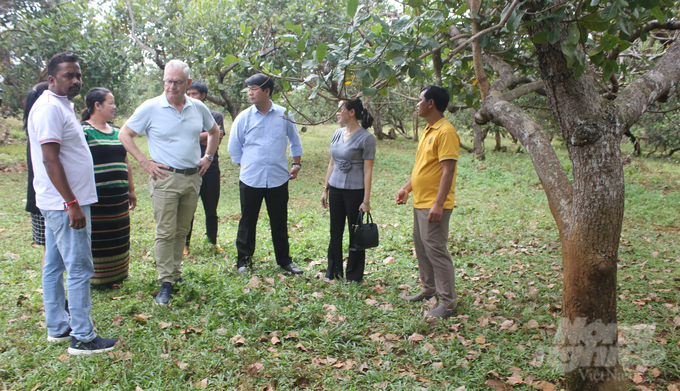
(67,249)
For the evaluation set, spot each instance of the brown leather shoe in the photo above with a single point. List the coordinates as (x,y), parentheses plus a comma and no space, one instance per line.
(418,297)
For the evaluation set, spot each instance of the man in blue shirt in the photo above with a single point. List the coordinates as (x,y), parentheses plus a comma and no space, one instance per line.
(173,123)
(257,143)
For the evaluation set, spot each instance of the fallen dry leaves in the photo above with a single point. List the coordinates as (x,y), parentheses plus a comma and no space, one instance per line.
(415,337)
(329,308)
(544,386)
(497,385)
(429,348)
(531,324)
(237,340)
(301,347)
(141,318)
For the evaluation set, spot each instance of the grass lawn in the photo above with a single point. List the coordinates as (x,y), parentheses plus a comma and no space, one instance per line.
(225,332)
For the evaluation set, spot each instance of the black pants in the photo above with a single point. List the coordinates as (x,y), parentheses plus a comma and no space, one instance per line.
(210,196)
(276,199)
(344,205)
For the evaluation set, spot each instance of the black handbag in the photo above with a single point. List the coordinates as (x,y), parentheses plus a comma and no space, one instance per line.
(365,235)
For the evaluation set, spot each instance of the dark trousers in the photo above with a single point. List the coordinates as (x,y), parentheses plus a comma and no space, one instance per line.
(210,196)
(276,199)
(344,205)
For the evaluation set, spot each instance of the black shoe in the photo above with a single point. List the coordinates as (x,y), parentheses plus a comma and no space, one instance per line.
(163,297)
(418,297)
(291,268)
(97,345)
(66,336)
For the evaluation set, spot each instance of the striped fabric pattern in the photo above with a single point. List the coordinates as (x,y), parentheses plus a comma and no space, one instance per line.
(110,215)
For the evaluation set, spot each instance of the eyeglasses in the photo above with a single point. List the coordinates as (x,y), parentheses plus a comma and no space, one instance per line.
(175,83)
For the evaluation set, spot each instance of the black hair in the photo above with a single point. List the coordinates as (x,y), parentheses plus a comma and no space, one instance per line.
(439,94)
(57,59)
(261,80)
(95,95)
(33,95)
(362,115)
(198,86)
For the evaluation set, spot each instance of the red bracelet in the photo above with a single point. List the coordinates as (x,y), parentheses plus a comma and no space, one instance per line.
(67,204)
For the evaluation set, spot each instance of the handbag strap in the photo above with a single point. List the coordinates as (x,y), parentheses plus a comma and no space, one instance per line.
(360,218)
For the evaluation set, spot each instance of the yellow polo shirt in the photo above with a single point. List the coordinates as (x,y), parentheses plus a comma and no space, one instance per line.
(437,142)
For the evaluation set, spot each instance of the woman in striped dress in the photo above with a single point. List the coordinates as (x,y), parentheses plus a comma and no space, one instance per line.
(115,190)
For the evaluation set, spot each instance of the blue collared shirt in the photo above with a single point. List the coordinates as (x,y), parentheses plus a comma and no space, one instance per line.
(173,137)
(258,143)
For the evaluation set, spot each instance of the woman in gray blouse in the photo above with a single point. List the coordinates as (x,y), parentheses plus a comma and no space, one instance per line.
(348,185)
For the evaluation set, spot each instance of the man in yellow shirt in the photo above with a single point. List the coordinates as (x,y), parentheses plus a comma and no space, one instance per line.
(433,181)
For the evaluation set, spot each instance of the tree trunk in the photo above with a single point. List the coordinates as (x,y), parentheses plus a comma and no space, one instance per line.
(590,240)
(589,212)
(497,137)
(377,126)
(478,135)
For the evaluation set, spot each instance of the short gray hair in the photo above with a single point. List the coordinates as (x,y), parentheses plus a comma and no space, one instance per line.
(181,65)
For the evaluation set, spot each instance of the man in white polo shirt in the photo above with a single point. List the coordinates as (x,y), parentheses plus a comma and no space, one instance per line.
(65,188)
(173,123)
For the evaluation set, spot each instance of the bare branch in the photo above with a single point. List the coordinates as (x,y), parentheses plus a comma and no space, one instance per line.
(663,111)
(647,27)
(155,53)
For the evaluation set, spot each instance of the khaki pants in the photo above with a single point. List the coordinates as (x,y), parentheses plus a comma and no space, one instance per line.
(174,201)
(434,261)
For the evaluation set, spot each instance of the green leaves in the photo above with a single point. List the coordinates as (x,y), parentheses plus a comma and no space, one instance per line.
(595,23)
(515,18)
(554,35)
(321,50)
(540,38)
(352,6)
(230,59)
(297,29)
(574,34)
(658,14)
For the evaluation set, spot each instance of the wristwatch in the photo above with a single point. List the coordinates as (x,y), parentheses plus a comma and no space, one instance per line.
(209,157)
(298,165)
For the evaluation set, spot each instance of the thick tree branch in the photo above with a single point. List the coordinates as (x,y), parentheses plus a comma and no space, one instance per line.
(640,94)
(536,86)
(215,100)
(537,144)
(480,74)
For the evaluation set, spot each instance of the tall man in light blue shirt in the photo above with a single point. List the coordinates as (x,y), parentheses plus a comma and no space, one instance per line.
(173,123)
(258,141)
